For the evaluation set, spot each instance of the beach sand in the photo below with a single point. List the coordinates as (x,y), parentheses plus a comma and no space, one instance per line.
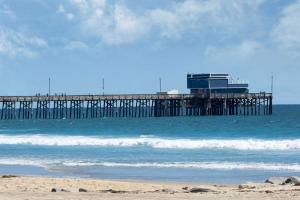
(17,188)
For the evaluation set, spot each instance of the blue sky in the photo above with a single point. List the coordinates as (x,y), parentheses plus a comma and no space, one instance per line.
(131,43)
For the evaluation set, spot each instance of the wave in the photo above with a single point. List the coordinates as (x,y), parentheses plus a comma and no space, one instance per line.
(183,165)
(197,165)
(26,162)
(154,142)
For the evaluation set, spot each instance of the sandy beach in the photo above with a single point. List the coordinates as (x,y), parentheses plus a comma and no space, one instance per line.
(17,188)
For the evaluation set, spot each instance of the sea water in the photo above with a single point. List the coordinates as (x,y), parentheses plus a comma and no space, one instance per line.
(210,149)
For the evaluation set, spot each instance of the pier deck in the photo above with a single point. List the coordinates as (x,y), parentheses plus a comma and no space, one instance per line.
(133,105)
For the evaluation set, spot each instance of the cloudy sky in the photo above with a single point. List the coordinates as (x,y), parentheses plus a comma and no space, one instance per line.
(131,43)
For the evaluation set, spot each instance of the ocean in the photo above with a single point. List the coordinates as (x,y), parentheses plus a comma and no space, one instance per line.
(200,149)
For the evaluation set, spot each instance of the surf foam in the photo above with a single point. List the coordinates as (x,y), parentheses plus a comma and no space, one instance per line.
(154,142)
(183,165)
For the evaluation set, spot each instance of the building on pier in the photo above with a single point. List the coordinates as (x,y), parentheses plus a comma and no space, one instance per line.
(214,83)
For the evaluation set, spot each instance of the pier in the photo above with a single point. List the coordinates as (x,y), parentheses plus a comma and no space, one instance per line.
(133,105)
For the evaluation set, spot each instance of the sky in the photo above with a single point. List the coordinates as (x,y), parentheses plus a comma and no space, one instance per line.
(133,43)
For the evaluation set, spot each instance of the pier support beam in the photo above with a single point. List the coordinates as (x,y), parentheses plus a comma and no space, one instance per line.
(149,105)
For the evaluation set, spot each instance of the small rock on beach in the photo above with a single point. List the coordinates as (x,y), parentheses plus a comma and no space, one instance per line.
(82,190)
(196,190)
(59,190)
(8,176)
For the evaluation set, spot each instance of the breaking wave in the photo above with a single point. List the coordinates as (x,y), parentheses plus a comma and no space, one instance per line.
(154,142)
(184,165)
(197,165)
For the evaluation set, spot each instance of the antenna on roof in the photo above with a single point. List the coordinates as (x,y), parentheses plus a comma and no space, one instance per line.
(272,80)
(159,84)
(49,86)
(102,86)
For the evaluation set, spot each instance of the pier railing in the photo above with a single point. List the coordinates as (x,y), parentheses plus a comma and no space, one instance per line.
(133,96)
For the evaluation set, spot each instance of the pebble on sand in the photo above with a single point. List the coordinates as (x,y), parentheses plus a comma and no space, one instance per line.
(59,190)
(196,190)
(82,190)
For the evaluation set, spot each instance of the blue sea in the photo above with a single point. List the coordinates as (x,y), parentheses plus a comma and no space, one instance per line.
(201,149)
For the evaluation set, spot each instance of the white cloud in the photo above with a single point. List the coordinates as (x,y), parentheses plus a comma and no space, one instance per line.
(86,6)
(8,12)
(69,16)
(115,23)
(76,45)
(13,43)
(244,50)
(286,33)
(185,16)
(124,27)
(61,10)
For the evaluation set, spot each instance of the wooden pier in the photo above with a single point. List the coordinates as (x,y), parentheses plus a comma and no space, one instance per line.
(133,105)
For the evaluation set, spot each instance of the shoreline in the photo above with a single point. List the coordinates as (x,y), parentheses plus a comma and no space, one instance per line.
(40,187)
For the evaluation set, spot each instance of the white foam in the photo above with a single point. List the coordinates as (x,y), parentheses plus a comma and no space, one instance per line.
(183,165)
(25,162)
(154,142)
(199,165)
